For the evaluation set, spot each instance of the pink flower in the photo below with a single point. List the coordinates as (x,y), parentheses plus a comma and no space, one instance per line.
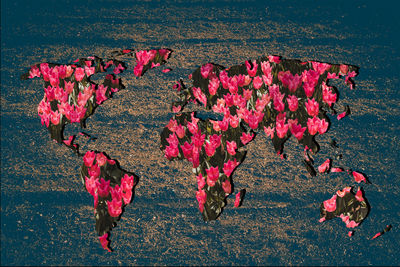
(359,195)
(343,69)
(79,74)
(198,139)
(201,181)
(176,109)
(320,67)
(213,86)
(201,197)
(180,131)
(227,187)
(224,78)
(69,87)
(210,149)
(118,69)
(293,102)
(327,95)
(233,85)
(171,152)
(206,69)
(351,224)
(94,170)
(237,200)
(101,94)
(251,69)
(252,120)
(34,72)
(247,94)
(359,177)
(127,196)
(246,137)
(342,193)
(292,82)
(101,159)
(313,125)
(199,95)
(335,169)
(324,167)
(332,76)
(104,242)
(322,219)
(55,117)
(257,82)
(215,139)
(88,158)
(212,175)
(269,131)
(234,121)
(114,207)
(281,129)
(224,124)
(275,59)
(172,125)
(229,167)
(187,150)
(341,115)
(231,147)
(138,69)
(297,131)
(103,187)
(91,185)
(127,182)
(350,233)
(266,68)
(69,141)
(173,140)
(90,70)
(330,204)
(323,126)
(312,107)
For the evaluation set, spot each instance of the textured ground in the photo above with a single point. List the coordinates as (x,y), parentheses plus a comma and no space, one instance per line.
(45,211)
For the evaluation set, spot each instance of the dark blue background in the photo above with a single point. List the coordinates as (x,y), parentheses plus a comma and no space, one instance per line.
(42,226)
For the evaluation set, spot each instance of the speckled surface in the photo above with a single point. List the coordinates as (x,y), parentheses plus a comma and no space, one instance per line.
(47,216)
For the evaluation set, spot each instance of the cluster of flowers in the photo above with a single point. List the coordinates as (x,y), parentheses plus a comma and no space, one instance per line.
(69,94)
(281,97)
(351,208)
(110,187)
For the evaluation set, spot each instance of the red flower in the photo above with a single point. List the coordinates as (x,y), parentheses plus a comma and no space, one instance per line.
(297,130)
(114,207)
(246,137)
(201,181)
(343,192)
(171,151)
(269,131)
(88,158)
(94,170)
(323,126)
(276,59)
(199,95)
(201,197)
(237,200)
(213,86)
(359,177)
(173,140)
(359,195)
(101,159)
(293,102)
(206,69)
(91,185)
(257,82)
(215,139)
(320,67)
(313,125)
(281,128)
(138,69)
(336,169)
(210,149)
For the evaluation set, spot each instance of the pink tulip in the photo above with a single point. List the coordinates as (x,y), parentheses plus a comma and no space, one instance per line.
(138,69)
(34,72)
(332,76)
(198,139)
(341,115)
(324,167)
(215,139)
(251,69)
(88,158)
(323,126)
(104,242)
(350,233)
(171,152)
(224,124)
(212,175)
(229,167)
(79,74)
(330,204)
(227,187)
(269,131)
(281,129)
(359,195)
(292,102)
(247,94)
(210,149)
(91,185)
(201,181)
(69,87)
(199,95)
(173,140)
(103,187)
(206,69)
(231,147)
(180,131)
(337,169)
(233,85)
(344,69)
(297,131)
(342,193)
(114,207)
(127,182)
(94,170)
(246,137)
(127,196)
(237,200)
(201,197)
(101,159)
(257,82)
(91,70)
(187,150)
(275,59)
(312,107)
(213,85)
(359,177)
(327,95)
(313,125)
(224,78)
(266,68)
(101,94)
(320,67)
